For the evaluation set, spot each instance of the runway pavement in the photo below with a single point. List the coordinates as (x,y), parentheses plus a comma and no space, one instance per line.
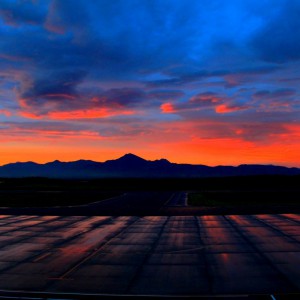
(158,255)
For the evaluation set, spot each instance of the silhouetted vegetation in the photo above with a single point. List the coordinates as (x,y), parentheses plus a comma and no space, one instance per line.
(242,190)
(215,183)
(244,198)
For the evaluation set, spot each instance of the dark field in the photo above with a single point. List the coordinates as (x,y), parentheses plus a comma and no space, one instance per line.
(43,198)
(267,182)
(244,198)
(132,196)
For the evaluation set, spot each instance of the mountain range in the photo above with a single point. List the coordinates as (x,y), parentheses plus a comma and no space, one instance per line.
(132,166)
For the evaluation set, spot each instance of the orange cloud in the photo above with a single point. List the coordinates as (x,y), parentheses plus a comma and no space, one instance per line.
(77,114)
(224,108)
(29,115)
(167,108)
(87,114)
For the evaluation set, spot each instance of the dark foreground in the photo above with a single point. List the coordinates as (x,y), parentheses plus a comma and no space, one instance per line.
(160,203)
(142,197)
(179,255)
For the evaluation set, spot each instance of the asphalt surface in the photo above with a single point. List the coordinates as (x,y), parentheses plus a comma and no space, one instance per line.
(159,255)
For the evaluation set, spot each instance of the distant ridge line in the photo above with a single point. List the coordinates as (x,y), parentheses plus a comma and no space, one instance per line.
(131,165)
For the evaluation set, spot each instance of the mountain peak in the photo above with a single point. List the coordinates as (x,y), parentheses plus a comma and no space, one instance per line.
(163,160)
(55,162)
(130,157)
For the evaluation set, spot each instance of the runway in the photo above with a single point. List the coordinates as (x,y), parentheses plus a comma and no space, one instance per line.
(153,255)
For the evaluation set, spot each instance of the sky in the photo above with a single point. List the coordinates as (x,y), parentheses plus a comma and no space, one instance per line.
(204,82)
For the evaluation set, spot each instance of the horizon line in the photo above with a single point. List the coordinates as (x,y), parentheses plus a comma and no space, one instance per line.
(179,163)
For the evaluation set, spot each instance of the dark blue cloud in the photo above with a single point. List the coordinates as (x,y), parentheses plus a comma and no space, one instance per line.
(25,12)
(278,41)
(278,93)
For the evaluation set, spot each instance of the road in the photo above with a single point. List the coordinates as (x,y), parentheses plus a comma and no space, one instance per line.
(153,255)
(177,199)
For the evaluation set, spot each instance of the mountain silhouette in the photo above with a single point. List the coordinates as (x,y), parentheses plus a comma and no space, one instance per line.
(131,165)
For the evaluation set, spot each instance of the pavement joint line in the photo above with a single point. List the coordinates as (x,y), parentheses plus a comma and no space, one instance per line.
(185,250)
(283,218)
(27,237)
(30,219)
(276,229)
(90,255)
(260,253)
(288,218)
(206,264)
(38,234)
(147,256)
(41,255)
(27,218)
(6,217)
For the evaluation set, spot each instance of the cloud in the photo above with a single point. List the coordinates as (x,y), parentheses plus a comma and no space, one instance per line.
(278,41)
(278,93)
(67,103)
(277,100)
(197,102)
(224,108)
(205,99)
(231,78)
(16,13)
(167,108)
(5,112)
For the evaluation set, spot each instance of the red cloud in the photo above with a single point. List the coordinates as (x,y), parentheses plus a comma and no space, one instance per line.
(78,114)
(167,108)
(224,108)
(86,114)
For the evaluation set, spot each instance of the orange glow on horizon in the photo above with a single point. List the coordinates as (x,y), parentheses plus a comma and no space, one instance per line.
(201,143)
(210,152)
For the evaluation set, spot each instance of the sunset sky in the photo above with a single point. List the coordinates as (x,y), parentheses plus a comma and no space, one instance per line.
(205,82)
